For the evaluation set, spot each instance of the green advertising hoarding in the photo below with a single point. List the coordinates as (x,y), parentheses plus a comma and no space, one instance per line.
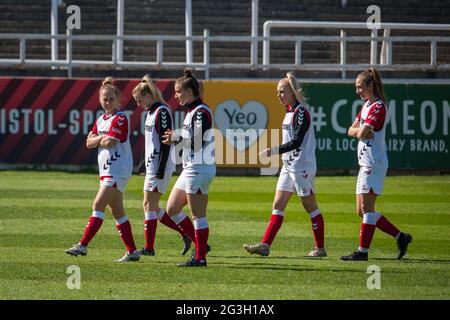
(417,126)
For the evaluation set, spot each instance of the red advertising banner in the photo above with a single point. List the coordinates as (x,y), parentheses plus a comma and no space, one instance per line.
(46,121)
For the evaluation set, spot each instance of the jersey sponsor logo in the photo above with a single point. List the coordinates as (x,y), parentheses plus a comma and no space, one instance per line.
(117,130)
(286,127)
(149,128)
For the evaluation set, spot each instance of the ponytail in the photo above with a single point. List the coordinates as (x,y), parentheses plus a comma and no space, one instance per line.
(108,83)
(371,75)
(188,81)
(295,87)
(147,86)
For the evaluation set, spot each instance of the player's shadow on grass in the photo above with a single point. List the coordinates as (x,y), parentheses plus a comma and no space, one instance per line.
(409,260)
(289,267)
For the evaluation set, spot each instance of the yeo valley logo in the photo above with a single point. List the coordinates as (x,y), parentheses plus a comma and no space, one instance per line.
(241,126)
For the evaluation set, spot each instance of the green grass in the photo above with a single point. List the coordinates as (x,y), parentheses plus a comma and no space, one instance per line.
(41,214)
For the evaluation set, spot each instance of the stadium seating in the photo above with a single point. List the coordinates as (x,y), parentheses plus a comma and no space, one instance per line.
(166,17)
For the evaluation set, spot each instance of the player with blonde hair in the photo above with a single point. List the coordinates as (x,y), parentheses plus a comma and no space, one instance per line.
(298,171)
(159,163)
(115,162)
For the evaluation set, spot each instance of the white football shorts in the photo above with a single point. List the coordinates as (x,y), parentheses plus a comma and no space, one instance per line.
(118,183)
(153,184)
(370,178)
(194,181)
(300,182)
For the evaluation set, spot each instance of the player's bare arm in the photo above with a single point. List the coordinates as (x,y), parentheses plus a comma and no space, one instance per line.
(265,153)
(365,132)
(107,141)
(93,140)
(353,129)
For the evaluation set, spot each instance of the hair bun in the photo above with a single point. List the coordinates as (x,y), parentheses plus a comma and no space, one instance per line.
(188,73)
(108,80)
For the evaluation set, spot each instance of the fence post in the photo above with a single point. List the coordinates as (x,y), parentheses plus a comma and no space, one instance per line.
(22,50)
(373,48)
(343,58)
(69,52)
(206,52)
(54,31)
(298,53)
(386,48)
(433,53)
(254,48)
(159,51)
(188,18)
(120,23)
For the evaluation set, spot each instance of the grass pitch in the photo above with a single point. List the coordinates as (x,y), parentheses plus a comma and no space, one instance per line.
(44,213)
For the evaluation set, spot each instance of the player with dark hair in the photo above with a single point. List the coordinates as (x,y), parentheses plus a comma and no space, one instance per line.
(370,129)
(199,166)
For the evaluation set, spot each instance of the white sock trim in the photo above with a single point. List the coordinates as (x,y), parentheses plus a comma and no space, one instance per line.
(98,214)
(177,218)
(200,223)
(161,213)
(151,215)
(122,220)
(371,218)
(278,212)
(315,213)
(363,250)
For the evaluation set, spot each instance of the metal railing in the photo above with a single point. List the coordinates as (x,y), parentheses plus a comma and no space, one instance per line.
(159,63)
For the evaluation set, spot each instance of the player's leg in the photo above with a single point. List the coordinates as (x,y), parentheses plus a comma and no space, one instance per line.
(197,207)
(123,225)
(151,210)
(376,180)
(280,202)
(177,200)
(94,223)
(197,188)
(284,190)
(317,224)
(359,201)
(305,188)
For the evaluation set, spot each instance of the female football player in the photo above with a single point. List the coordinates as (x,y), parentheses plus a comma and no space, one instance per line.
(369,128)
(199,167)
(298,171)
(115,162)
(159,163)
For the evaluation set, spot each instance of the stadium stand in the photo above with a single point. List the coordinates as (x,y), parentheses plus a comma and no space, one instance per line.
(166,17)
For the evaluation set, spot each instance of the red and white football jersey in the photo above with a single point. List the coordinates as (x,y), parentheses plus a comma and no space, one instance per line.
(373,152)
(116,161)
